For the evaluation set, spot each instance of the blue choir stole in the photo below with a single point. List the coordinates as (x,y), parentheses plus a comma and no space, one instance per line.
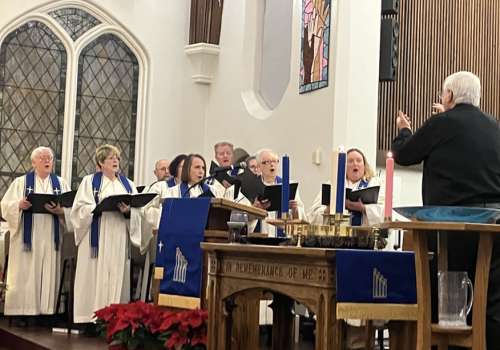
(356,216)
(234,171)
(96,219)
(170,182)
(179,258)
(185,189)
(29,187)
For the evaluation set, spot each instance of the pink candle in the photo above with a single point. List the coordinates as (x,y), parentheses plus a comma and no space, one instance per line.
(389,184)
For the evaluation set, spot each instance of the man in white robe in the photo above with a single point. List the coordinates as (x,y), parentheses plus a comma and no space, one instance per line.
(103,279)
(33,268)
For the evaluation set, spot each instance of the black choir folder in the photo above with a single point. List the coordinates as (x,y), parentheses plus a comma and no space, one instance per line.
(368,195)
(134,200)
(273,194)
(38,201)
(221,175)
(251,185)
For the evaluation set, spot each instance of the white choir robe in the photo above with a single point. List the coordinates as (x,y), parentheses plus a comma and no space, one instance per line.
(33,276)
(271,229)
(103,280)
(148,244)
(374,212)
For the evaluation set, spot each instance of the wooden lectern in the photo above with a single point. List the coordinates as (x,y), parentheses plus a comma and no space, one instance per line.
(216,231)
(220,213)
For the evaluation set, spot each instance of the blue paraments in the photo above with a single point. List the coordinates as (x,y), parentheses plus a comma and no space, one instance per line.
(375,277)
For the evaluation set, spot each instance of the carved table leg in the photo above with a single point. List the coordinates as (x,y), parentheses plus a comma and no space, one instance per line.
(329,334)
(402,334)
(245,335)
(282,322)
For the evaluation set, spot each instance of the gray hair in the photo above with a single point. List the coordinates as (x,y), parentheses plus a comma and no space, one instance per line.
(39,150)
(259,154)
(223,143)
(161,160)
(465,86)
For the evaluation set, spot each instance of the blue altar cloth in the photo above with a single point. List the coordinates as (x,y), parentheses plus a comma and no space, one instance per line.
(367,276)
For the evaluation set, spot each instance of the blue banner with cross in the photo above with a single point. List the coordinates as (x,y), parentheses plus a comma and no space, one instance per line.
(179,255)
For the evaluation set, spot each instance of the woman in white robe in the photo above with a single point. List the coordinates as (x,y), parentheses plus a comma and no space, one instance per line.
(33,273)
(358,175)
(268,164)
(193,171)
(103,279)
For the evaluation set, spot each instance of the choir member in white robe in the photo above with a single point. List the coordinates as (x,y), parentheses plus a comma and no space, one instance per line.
(268,164)
(193,171)
(162,171)
(149,227)
(224,156)
(253,165)
(34,260)
(102,271)
(358,175)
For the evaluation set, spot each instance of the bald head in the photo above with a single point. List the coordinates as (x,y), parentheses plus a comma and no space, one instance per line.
(161,169)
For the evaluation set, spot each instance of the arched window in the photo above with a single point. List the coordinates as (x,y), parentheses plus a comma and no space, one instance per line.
(71,78)
(75,21)
(106,109)
(276,51)
(32,87)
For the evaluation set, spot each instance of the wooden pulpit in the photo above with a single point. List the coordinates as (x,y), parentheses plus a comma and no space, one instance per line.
(220,213)
(216,231)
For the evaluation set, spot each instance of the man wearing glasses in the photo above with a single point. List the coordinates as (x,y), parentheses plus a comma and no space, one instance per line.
(35,239)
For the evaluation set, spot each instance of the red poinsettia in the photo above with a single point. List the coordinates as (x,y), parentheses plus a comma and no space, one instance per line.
(147,326)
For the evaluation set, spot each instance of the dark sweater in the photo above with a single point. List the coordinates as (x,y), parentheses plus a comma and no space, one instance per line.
(460,149)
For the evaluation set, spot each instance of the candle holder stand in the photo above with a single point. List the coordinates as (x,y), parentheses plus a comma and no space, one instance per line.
(336,233)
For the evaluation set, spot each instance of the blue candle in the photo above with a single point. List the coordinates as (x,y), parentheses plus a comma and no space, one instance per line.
(285,186)
(341,168)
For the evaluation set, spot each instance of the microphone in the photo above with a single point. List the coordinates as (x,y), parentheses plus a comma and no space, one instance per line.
(220,169)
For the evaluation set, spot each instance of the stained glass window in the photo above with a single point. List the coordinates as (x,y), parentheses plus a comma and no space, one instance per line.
(32,88)
(75,21)
(106,109)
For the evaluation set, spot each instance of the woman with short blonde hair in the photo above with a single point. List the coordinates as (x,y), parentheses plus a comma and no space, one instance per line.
(102,239)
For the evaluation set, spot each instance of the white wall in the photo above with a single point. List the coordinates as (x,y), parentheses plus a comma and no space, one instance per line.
(187,117)
(346,109)
(407,186)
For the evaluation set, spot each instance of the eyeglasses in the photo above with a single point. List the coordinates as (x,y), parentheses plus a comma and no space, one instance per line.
(46,158)
(271,161)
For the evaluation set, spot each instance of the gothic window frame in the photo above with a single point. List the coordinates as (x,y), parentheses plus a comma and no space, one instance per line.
(44,89)
(108,25)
